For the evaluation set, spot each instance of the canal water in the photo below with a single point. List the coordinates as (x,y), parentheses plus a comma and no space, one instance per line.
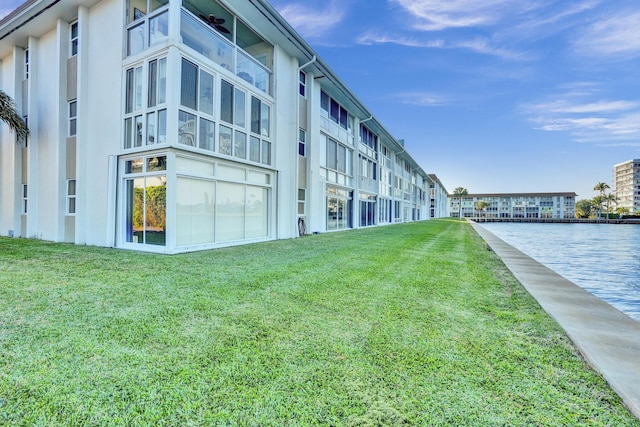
(604,259)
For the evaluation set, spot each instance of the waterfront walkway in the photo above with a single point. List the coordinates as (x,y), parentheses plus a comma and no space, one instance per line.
(608,339)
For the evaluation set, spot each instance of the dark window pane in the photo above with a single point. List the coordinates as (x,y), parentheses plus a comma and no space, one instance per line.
(255,115)
(226,102)
(189,85)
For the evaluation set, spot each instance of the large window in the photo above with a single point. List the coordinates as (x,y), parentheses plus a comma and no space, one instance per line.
(339,208)
(196,127)
(336,112)
(246,129)
(145,120)
(145,188)
(213,31)
(230,205)
(367,209)
(147,24)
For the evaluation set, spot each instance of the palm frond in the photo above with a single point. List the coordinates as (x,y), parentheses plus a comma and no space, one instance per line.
(9,114)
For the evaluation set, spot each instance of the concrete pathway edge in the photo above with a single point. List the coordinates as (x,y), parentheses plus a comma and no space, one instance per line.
(608,339)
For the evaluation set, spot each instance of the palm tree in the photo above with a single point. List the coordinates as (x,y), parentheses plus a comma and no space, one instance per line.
(9,114)
(597,202)
(608,199)
(622,211)
(601,187)
(459,192)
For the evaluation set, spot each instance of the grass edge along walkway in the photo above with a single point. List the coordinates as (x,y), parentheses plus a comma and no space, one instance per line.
(411,324)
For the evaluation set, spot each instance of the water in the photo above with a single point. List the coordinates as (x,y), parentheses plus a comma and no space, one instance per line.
(604,259)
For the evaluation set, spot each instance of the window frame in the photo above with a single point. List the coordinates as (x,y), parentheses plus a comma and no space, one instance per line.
(74,40)
(72,109)
(71,197)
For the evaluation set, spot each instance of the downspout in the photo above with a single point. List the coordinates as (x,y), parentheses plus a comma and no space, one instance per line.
(300,68)
(297,163)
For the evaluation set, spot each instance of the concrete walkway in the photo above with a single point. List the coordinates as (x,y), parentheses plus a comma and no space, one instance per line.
(608,339)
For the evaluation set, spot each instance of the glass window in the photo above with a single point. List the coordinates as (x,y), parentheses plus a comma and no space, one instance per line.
(186,128)
(224,140)
(226,102)
(73,112)
(158,29)
(266,152)
(137,87)
(71,197)
(332,150)
(74,39)
(254,149)
(206,135)
(265,111)
(239,108)
(229,211)
(136,38)
(162,126)
(128,132)
(189,85)
(146,210)
(206,93)
(240,145)
(255,115)
(151,128)
(256,216)
(303,84)
(195,211)
(138,132)
(152,96)
(302,137)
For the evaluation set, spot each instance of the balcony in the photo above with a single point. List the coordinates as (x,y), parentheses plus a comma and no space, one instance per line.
(206,41)
(336,131)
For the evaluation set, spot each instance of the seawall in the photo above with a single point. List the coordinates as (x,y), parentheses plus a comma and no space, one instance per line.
(608,339)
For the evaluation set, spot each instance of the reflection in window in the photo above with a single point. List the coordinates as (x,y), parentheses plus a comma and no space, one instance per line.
(229,211)
(186,128)
(206,135)
(146,210)
(224,141)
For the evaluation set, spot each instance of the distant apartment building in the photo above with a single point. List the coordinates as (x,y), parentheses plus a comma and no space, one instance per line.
(626,185)
(514,205)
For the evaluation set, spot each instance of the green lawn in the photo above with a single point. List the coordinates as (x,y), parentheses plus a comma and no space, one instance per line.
(413,324)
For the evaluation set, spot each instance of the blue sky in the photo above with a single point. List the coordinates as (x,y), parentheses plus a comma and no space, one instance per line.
(490,95)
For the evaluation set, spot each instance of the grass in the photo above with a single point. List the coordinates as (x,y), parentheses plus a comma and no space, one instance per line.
(413,324)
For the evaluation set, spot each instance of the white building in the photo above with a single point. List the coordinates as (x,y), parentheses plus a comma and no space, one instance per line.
(438,195)
(515,205)
(626,185)
(172,126)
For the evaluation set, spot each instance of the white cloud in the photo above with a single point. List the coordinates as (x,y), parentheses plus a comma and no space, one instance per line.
(617,35)
(424,99)
(435,15)
(603,122)
(373,38)
(313,23)
(478,45)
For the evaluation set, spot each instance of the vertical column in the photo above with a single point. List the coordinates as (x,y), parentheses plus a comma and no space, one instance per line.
(32,151)
(82,129)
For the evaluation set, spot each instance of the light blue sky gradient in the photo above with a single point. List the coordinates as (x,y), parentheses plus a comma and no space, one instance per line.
(490,95)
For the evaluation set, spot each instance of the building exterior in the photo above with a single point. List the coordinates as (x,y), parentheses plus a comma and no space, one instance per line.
(515,205)
(171,126)
(626,185)
(438,198)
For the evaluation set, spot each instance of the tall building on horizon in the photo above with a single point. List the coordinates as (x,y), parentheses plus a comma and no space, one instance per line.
(626,185)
